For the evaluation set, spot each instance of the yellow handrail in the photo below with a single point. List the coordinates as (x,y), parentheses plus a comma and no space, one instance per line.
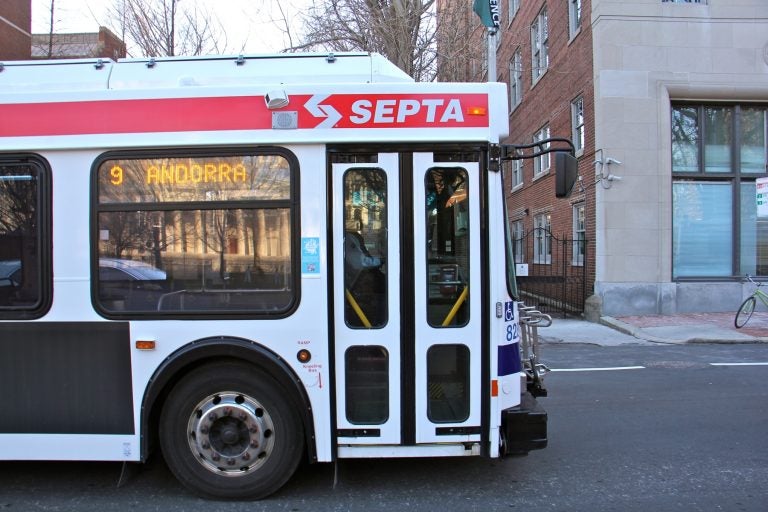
(455,308)
(356,307)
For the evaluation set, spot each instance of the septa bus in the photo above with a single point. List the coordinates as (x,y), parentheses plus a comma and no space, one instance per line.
(248,262)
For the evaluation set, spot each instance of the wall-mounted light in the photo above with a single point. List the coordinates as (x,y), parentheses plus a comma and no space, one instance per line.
(276,99)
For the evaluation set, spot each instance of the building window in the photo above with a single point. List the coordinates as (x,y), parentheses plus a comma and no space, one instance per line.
(512,8)
(574,17)
(517,174)
(516,79)
(518,235)
(539,45)
(541,163)
(579,234)
(718,152)
(577,123)
(542,239)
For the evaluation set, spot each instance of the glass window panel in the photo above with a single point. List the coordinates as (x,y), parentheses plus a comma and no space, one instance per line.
(754,234)
(367,385)
(447,211)
(20,262)
(718,128)
(448,383)
(753,147)
(365,248)
(195,261)
(579,234)
(685,139)
(195,178)
(542,239)
(702,237)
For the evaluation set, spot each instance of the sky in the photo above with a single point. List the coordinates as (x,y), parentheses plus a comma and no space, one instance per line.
(247,22)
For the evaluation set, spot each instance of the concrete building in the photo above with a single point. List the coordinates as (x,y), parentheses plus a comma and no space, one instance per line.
(15,29)
(81,45)
(668,101)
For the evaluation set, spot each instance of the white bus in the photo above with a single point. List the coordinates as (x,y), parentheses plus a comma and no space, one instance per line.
(251,261)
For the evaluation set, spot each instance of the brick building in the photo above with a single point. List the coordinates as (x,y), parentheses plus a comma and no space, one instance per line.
(15,29)
(668,103)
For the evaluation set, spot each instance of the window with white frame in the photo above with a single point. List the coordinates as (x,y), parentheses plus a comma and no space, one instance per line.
(512,8)
(541,163)
(579,234)
(539,45)
(542,239)
(516,79)
(517,174)
(574,17)
(518,235)
(577,123)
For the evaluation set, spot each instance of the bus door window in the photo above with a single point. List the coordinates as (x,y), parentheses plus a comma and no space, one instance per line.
(447,247)
(365,248)
(448,377)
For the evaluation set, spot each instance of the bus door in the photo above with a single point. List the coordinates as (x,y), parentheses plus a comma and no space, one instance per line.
(406,375)
(447,300)
(366,234)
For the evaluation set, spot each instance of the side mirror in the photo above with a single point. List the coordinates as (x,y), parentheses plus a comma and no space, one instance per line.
(566,172)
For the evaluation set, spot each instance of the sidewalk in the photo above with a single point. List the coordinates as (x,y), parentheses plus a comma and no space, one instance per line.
(654,329)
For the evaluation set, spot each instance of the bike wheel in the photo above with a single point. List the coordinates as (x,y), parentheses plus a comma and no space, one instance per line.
(745,312)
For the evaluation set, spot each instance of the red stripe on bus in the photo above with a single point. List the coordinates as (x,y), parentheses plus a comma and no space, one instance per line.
(134,116)
(242,113)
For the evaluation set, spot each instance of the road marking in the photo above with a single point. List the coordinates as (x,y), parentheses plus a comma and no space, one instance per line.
(610,369)
(739,364)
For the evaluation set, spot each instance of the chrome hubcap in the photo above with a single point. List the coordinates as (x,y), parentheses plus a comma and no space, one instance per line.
(231,433)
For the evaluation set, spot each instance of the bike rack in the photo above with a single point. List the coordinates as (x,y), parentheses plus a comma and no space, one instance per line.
(530,321)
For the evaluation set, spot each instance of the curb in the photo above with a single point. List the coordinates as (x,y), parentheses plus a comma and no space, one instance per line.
(635,331)
(639,333)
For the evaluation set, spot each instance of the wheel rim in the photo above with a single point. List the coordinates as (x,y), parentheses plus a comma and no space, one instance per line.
(230,433)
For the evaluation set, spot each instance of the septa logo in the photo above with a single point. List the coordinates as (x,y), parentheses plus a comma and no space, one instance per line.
(396,111)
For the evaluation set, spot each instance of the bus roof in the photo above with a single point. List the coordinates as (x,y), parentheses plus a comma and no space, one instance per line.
(267,99)
(169,72)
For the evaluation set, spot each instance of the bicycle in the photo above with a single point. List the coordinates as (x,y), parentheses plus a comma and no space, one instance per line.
(748,306)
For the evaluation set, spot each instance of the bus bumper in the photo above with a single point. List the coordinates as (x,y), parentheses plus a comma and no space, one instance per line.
(524,427)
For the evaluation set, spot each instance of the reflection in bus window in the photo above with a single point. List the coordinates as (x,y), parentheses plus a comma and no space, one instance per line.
(447,233)
(367,385)
(20,264)
(172,243)
(365,248)
(448,383)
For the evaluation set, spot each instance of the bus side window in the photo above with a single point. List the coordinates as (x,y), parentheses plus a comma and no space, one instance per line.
(447,240)
(21,233)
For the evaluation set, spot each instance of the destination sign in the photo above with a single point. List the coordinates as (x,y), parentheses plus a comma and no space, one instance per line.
(204,178)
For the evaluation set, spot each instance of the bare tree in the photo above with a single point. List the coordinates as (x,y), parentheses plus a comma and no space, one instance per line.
(155,28)
(427,39)
(401,30)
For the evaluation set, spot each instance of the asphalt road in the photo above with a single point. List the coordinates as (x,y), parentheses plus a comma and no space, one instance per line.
(663,430)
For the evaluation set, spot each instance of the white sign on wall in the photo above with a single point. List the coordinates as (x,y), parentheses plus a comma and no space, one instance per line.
(762,196)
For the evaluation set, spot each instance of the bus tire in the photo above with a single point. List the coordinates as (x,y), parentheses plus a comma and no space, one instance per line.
(227,431)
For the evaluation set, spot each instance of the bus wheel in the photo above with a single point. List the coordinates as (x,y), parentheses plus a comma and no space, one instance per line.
(227,431)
